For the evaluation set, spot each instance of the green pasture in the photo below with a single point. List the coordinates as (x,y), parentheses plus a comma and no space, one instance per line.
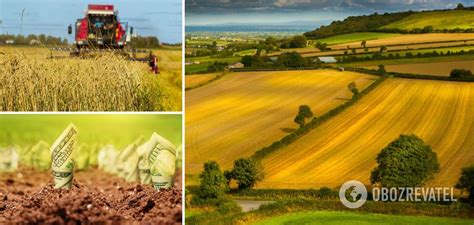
(463,19)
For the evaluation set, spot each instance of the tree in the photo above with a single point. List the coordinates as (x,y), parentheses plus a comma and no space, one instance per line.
(213,183)
(460,6)
(460,73)
(299,119)
(321,46)
(363,44)
(466,182)
(383,48)
(298,42)
(382,69)
(247,172)
(354,51)
(366,50)
(247,61)
(291,59)
(305,110)
(405,162)
(353,88)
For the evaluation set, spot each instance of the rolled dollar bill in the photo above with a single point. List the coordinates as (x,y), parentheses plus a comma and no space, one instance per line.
(8,159)
(162,160)
(61,157)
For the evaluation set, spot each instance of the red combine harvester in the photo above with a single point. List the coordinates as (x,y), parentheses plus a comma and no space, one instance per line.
(101,30)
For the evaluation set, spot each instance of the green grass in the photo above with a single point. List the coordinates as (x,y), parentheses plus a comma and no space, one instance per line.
(462,19)
(119,130)
(415,52)
(205,61)
(353,37)
(348,218)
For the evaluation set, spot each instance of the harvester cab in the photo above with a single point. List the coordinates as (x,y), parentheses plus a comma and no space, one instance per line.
(101,29)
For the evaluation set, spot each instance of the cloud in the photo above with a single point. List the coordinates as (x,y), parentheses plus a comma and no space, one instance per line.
(272,6)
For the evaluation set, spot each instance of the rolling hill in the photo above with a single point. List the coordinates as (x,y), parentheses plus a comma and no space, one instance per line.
(236,115)
(439,20)
(345,147)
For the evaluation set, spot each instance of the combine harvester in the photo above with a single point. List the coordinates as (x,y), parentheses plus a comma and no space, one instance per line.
(101,31)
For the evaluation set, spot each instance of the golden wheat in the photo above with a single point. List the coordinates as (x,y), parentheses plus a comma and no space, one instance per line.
(105,83)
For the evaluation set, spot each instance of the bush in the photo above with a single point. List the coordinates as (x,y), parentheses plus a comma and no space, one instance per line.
(460,73)
(247,172)
(405,162)
(213,183)
(466,182)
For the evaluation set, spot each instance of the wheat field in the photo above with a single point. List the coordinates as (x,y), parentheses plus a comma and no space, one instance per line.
(236,115)
(345,147)
(33,81)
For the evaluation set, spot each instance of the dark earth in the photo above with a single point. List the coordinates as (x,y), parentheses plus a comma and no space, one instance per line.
(27,197)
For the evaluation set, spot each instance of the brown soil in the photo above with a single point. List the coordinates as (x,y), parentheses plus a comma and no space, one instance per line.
(28,197)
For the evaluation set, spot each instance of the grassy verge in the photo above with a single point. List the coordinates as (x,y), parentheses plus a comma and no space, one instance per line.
(328,217)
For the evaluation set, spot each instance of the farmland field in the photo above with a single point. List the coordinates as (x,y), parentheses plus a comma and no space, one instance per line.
(437,68)
(340,218)
(353,37)
(410,39)
(345,147)
(196,80)
(462,19)
(241,112)
(105,82)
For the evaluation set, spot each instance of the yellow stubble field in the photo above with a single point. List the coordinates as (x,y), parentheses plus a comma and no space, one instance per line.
(345,147)
(236,115)
(409,39)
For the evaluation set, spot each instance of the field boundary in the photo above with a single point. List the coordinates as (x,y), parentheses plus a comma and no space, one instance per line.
(315,122)
(411,76)
(205,83)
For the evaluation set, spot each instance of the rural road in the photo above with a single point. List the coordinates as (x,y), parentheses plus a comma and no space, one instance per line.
(249,205)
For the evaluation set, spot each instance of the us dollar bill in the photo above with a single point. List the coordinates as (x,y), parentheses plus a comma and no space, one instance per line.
(157,163)
(62,162)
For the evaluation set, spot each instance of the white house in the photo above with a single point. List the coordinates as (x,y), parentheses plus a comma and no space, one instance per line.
(327,59)
(237,65)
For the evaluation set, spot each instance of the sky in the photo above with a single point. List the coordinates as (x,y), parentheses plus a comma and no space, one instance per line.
(212,12)
(160,18)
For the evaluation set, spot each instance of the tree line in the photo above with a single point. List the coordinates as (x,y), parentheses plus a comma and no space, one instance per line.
(32,39)
(374,22)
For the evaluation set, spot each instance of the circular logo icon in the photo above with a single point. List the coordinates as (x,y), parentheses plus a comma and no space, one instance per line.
(353,194)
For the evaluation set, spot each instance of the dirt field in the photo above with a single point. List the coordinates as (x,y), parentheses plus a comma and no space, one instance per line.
(242,112)
(437,69)
(196,80)
(28,197)
(410,39)
(345,147)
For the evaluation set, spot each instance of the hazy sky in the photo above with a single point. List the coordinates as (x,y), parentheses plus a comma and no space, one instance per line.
(160,18)
(204,12)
